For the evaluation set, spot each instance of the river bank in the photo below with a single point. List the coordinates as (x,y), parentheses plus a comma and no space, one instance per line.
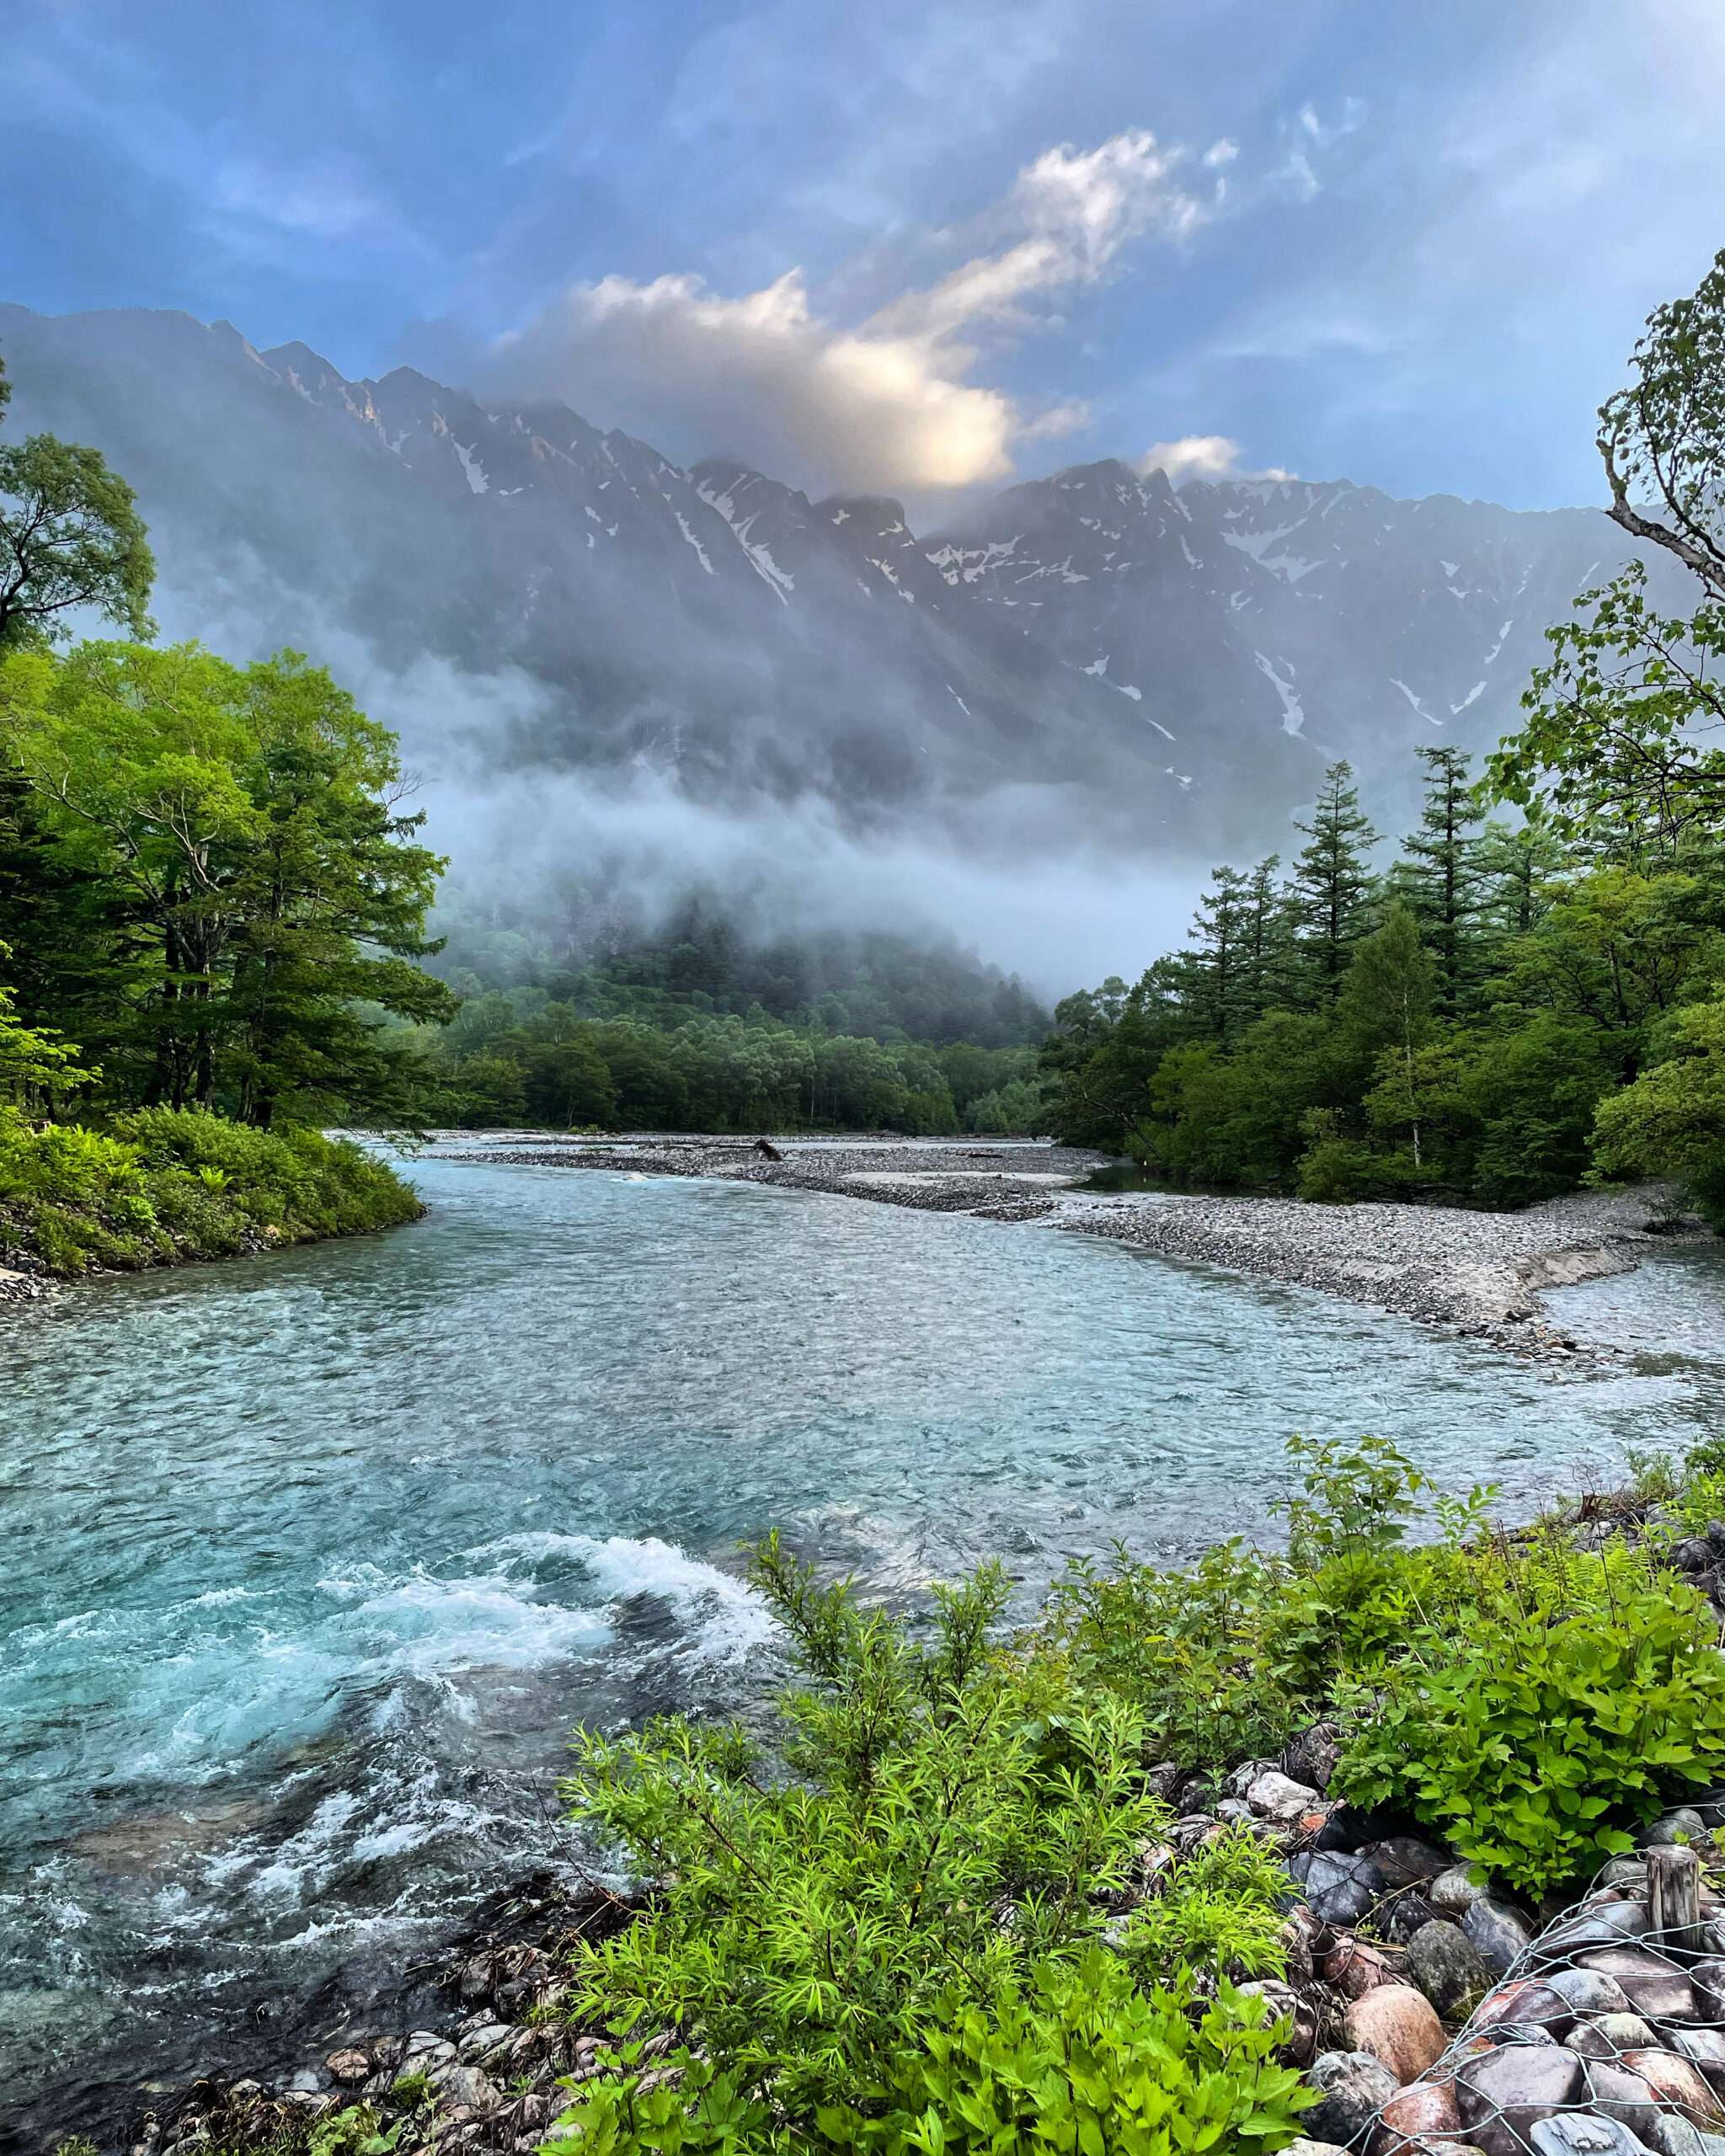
(328,1554)
(1479,1274)
(1416,1991)
(162,1188)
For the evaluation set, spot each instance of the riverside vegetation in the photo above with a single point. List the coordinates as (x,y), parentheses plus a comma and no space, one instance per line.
(208,902)
(987,1890)
(1512,1006)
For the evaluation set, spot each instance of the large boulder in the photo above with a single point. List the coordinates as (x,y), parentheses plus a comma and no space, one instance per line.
(1353,2088)
(1395,2024)
(1447,1966)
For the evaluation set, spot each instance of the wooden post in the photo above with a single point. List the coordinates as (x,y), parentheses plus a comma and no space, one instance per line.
(1675,1895)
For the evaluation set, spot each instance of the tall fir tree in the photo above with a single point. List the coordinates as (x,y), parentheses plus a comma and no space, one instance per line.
(1517,865)
(1269,955)
(1443,879)
(1332,884)
(1220,930)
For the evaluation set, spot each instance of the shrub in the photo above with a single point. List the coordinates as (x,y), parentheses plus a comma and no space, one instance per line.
(1069,2056)
(1188,1648)
(1076,2057)
(1580,1701)
(949,1813)
(1220,1909)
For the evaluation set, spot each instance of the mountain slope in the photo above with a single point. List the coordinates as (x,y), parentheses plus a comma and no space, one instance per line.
(1180,664)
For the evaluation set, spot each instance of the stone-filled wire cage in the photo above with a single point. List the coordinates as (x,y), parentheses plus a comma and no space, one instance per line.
(1606,2037)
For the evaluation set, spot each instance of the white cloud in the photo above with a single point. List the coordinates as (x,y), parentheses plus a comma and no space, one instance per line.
(322,201)
(891,402)
(763,377)
(1202,456)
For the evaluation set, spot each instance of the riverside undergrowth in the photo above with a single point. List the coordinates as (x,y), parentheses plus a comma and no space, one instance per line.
(936,1916)
(161,1186)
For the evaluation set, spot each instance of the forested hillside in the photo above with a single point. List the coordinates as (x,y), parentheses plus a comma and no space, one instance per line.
(1533,990)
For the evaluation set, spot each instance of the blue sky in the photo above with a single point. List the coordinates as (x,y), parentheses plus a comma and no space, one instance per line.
(927,246)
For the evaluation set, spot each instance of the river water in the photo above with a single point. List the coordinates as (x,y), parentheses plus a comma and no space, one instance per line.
(311,1561)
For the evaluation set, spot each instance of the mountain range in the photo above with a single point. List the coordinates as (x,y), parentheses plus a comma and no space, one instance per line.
(1180,662)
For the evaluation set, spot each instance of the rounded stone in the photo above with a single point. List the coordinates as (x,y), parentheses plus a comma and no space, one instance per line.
(1447,1966)
(1428,2107)
(1608,2036)
(1500,1935)
(1454,1892)
(1353,2088)
(1353,1967)
(1677,2083)
(1395,2024)
(1502,2091)
(1654,1986)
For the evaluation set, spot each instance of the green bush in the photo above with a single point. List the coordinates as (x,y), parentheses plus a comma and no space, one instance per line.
(1220,1909)
(1581,1701)
(162,1184)
(1071,2055)
(949,1811)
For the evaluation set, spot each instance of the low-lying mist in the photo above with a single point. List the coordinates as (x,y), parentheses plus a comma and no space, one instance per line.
(1018,874)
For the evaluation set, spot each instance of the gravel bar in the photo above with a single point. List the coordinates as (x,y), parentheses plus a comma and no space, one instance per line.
(1478,1274)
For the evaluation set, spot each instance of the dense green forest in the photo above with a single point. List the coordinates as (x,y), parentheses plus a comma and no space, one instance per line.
(690,1024)
(1516,1001)
(204,887)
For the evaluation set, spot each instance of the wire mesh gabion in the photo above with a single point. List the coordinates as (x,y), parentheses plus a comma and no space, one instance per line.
(1606,2037)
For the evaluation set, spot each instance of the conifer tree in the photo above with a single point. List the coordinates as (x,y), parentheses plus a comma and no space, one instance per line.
(1220,964)
(1268,952)
(1443,879)
(1332,883)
